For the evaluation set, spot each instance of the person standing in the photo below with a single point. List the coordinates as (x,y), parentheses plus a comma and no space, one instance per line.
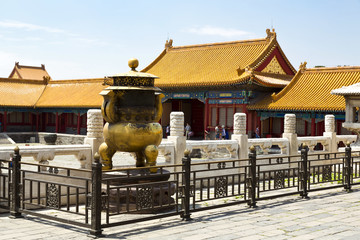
(207,133)
(167,130)
(257,132)
(223,132)
(187,130)
(217,133)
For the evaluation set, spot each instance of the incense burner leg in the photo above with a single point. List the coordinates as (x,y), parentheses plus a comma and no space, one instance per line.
(151,153)
(106,153)
(140,159)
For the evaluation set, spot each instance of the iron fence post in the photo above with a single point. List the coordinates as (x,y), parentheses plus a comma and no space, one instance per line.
(252,178)
(186,162)
(348,168)
(96,178)
(15,185)
(304,173)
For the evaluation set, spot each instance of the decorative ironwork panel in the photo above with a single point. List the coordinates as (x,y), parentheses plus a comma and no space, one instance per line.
(221,187)
(181,191)
(327,172)
(104,201)
(144,197)
(52,196)
(192,191)
(89,201)
(279,179)
(221,165)
(53,170)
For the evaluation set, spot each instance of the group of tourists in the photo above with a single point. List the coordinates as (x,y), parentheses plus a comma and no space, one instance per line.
(220,132)
(187,130)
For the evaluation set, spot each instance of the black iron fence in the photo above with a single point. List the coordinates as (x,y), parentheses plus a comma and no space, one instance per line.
(97,199)
(5,175)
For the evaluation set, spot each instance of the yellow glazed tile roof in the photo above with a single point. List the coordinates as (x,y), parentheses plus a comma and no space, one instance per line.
(72,93)
(29,72)
(310,89)
(271,80)
(216,64)
(20,93)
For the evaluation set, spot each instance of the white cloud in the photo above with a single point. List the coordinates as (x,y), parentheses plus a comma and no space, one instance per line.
(29,26)
(68,36)
(22,39)
(216,31)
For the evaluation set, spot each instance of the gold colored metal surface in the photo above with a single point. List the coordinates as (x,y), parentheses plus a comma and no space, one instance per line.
(132,108)
(133,63)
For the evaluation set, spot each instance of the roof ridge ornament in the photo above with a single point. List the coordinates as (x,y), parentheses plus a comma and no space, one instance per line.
(273,97)
(168,44)
(250,70)
(302,67)
(46,79)
(270,34)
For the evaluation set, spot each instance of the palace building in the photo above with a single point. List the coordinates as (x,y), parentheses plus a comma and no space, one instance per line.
(31,101)
(211,82)
(208,82)
(308,96)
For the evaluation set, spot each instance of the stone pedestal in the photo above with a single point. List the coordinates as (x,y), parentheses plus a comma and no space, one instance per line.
(143,197)
(330,132)
(240,134)
(177,136)
(94,135)
(290,133)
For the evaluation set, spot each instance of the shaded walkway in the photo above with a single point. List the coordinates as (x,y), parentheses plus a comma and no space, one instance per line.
(331,214)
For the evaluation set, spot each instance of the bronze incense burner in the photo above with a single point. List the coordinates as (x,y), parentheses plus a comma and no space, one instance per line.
(132,109)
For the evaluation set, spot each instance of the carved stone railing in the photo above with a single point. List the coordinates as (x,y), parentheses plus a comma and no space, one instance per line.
(45,153)
(167,150)
(345,138)
(211,147)
(311,142)
(265,145)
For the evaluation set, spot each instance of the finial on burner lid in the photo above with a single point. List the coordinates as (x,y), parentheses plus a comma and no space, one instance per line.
(133,63)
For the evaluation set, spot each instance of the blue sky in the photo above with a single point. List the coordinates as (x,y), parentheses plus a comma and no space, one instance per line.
(89,39)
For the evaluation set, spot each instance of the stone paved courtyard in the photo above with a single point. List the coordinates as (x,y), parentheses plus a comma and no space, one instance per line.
(330,214)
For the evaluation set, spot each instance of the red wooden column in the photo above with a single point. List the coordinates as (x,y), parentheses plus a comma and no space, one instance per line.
(338,124)
(57,122)
(46,120)
(306,128)
(248,118)
(37,122)
(313,127)
(207,115)
(258,123)
(78,123)
(217,114)
(270,126)
(65,121)
(5,120)
(31,121)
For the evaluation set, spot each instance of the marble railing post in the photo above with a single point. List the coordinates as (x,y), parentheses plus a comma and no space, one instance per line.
(94,135)
(177,135)
(240,134)
(290,133)
(330,132)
